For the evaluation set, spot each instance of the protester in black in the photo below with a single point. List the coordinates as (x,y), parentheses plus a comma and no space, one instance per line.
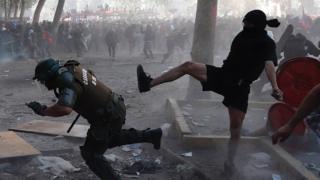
(252,50)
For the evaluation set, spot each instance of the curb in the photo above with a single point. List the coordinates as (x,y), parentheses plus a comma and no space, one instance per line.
(290,164)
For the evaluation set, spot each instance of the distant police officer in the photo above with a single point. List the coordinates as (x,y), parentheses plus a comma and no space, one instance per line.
(78,89)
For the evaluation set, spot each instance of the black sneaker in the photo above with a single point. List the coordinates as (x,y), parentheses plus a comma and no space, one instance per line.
(144,80)
(157,134)
(153,136)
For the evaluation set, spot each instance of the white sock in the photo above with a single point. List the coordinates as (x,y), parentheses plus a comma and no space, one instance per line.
(165,129)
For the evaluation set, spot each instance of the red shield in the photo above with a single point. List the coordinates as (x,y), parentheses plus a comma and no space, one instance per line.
(297,77)
(279,114)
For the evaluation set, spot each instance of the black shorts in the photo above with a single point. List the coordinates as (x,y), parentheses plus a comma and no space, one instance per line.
(231,87)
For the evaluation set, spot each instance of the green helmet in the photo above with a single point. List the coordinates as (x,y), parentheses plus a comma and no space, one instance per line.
(46,70)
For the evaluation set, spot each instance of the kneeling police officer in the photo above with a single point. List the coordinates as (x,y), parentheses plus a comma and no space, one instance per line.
(78,89)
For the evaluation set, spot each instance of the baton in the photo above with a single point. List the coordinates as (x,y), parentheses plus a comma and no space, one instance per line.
(73,123)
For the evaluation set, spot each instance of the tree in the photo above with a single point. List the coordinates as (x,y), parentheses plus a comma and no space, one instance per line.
(5,9)
(58,14)
(202,46)
(16,7)
(22,9)
(37,12)
(10,8)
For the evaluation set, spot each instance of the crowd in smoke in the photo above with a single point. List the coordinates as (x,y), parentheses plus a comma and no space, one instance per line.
(41,40)
(145,37)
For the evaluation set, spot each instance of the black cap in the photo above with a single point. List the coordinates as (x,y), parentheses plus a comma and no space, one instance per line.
(259,19)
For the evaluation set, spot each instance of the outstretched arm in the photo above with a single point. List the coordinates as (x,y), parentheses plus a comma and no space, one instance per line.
(56,110)
(309,104)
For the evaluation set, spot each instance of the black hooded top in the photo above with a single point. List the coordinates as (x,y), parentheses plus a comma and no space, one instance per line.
(251,48)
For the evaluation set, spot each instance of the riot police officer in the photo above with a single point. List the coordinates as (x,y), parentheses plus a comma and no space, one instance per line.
(79,89)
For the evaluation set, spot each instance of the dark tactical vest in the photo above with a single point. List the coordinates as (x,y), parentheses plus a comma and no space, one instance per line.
(95,101)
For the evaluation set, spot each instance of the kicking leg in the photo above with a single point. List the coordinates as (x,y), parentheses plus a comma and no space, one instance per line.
(196,70)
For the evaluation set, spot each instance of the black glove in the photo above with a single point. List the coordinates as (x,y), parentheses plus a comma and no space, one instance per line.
(37,107)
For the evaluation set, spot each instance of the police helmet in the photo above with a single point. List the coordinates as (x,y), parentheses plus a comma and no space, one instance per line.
(46,70)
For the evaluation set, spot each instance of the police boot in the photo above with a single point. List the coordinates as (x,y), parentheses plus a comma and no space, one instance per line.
(153,136)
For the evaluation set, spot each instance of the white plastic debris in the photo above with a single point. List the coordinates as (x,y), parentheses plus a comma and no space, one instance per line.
(158,161)
(276,177)
(136,152)
(187,154)
(129,91)
(125,148)
(260,160)
(112,157)
(130,147)
(56,165)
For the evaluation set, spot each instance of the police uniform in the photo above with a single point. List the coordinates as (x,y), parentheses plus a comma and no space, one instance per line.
(79,89)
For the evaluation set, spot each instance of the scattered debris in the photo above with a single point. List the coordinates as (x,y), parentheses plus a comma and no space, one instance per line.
(158,161)
(197,123)
(4,75)
(6,71)
(312,167)
(112,157)
(129,91)
(183,167)
(130,147)
(136,152)
(56,165)
(260,160)
(276,177)
(187,154)
(143,166)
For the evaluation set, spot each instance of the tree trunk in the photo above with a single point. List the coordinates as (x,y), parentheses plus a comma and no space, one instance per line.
(5,9)
(22,9)
(37,12)
(16,8)
(203,37)
(10,8)
(57,15)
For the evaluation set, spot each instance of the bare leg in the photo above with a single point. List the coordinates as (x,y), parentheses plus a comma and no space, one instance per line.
(236,119)
(196,70)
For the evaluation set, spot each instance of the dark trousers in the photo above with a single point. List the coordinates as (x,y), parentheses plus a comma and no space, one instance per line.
(102,137)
